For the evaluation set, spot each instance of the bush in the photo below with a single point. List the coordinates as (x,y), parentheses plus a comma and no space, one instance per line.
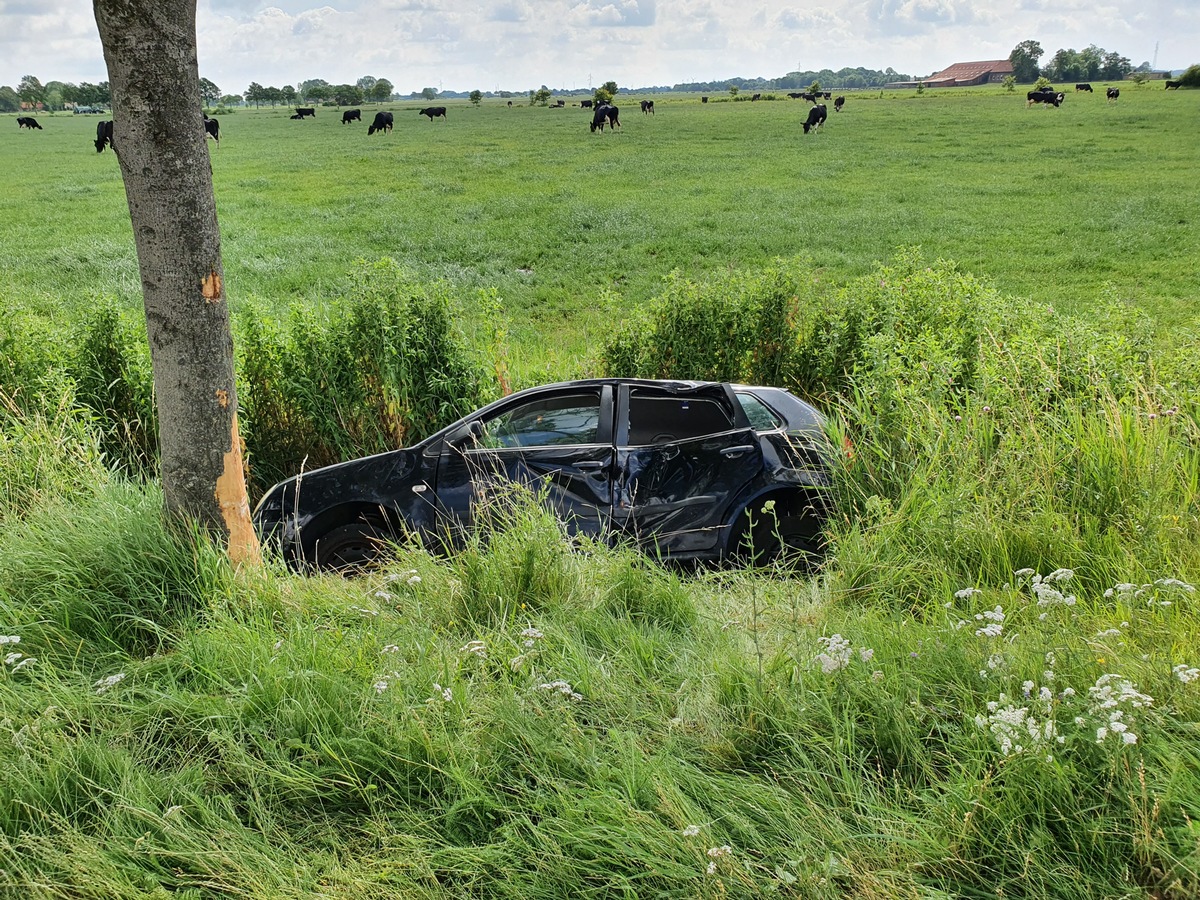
(1190,77)
(371,372)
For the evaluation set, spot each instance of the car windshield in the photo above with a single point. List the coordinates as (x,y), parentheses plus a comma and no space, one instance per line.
(573,419)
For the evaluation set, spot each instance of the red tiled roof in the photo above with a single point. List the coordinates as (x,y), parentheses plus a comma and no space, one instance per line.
(968,71)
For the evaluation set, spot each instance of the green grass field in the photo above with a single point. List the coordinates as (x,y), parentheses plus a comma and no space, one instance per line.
(990,688)
(572,228)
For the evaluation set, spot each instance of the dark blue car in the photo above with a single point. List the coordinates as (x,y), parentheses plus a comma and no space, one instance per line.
(684,469)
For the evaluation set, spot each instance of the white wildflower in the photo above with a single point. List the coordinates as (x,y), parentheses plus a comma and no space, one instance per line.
(719,852)
(966,593)
(992,629)
(413,580)
(12,658)
(1186,674)
(691,831)
(477,648)
(9,639)
(27,661)
(836,654)
(384,596)
(380,686)
(107,684)
(530,636)
(440,693)
(390,648)
(866,654)
(560,687)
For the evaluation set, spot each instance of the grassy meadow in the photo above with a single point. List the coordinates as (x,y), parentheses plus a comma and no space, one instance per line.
(989,689)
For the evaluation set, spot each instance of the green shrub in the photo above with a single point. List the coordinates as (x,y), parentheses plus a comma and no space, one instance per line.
(376,370)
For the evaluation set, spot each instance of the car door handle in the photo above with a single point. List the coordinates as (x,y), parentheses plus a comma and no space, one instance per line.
(732,452)
(589,465)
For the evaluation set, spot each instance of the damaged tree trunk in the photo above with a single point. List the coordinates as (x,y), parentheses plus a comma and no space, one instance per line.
(159,138)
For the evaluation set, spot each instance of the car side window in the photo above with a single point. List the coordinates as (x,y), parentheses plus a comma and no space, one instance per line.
(546,422)
(658,419)
(760,415)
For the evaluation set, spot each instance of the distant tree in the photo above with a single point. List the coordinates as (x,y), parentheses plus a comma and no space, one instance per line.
(381,90)
(1065,66)
(1143,67)
(814,87)
(70,93)
(733,91)
(1009,83)
(273,95)
(1115,66)
(320,92)
(231,100)
(255,94)
(1190,77)
(366,83)
(9,100)
(429,93)
(1024,59)
(541,95)
(305,88)
(347,95)
(476,97)
(288,94)
(1091,59)
(209,92)
(602,96)
(30,91)
(1042,83)
(611,87)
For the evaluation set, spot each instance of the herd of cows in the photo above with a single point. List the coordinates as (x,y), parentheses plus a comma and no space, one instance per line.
(603,112)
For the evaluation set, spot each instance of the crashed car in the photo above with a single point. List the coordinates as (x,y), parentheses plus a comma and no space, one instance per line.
(687,470)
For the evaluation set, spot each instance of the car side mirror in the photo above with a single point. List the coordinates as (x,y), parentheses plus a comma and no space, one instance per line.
(466,433)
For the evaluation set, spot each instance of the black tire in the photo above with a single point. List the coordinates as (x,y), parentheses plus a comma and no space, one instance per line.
(358,545)
(760,538)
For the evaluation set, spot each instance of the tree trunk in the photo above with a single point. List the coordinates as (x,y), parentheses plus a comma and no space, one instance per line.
(159,138)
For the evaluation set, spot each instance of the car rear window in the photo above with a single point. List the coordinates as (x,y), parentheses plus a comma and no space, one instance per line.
(761,416)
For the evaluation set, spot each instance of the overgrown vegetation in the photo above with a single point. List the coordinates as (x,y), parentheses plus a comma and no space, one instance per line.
(991,687)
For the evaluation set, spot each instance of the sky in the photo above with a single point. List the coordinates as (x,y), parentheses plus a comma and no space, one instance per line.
(518,45)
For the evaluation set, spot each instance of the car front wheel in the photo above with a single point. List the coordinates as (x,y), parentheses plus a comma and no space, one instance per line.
(354,546)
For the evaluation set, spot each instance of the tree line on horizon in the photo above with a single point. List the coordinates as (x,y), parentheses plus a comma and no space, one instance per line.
(1065,65)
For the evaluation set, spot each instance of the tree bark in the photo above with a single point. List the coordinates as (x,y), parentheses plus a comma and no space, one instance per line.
(159,138)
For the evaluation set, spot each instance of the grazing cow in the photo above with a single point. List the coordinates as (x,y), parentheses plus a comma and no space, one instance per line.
(703,99)
(28,122)
(296,116)
(104,135)
(1174,85)
(585,104)
(795,95)
(828,95)
(212,129)
(302,111)
(756,97)
(1083,87)
(352,115)
(816,116)
(435,112)
(383,122)
(1054,98)
(605,112)
(838,104)
(1113,93)
(510,103)
(648,107)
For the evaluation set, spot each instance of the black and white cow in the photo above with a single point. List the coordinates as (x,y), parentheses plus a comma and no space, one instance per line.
(302,111)
(838,104)
(1113,93)
(351,115)
(703,99)
(212,129)
(1053,98)
(605,112)
(1174,85)
(648,107)
(104,136)
(28,122)
(1087,88)
(816,116)
(434,112)
(383,122)
(585,104)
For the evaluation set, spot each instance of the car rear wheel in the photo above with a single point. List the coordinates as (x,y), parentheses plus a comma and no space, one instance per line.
(760,538)
(358,545)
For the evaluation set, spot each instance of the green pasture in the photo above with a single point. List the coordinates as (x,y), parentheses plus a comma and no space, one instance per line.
(571,229)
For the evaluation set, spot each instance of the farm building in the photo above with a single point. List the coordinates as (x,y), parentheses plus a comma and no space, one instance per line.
(963,74)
